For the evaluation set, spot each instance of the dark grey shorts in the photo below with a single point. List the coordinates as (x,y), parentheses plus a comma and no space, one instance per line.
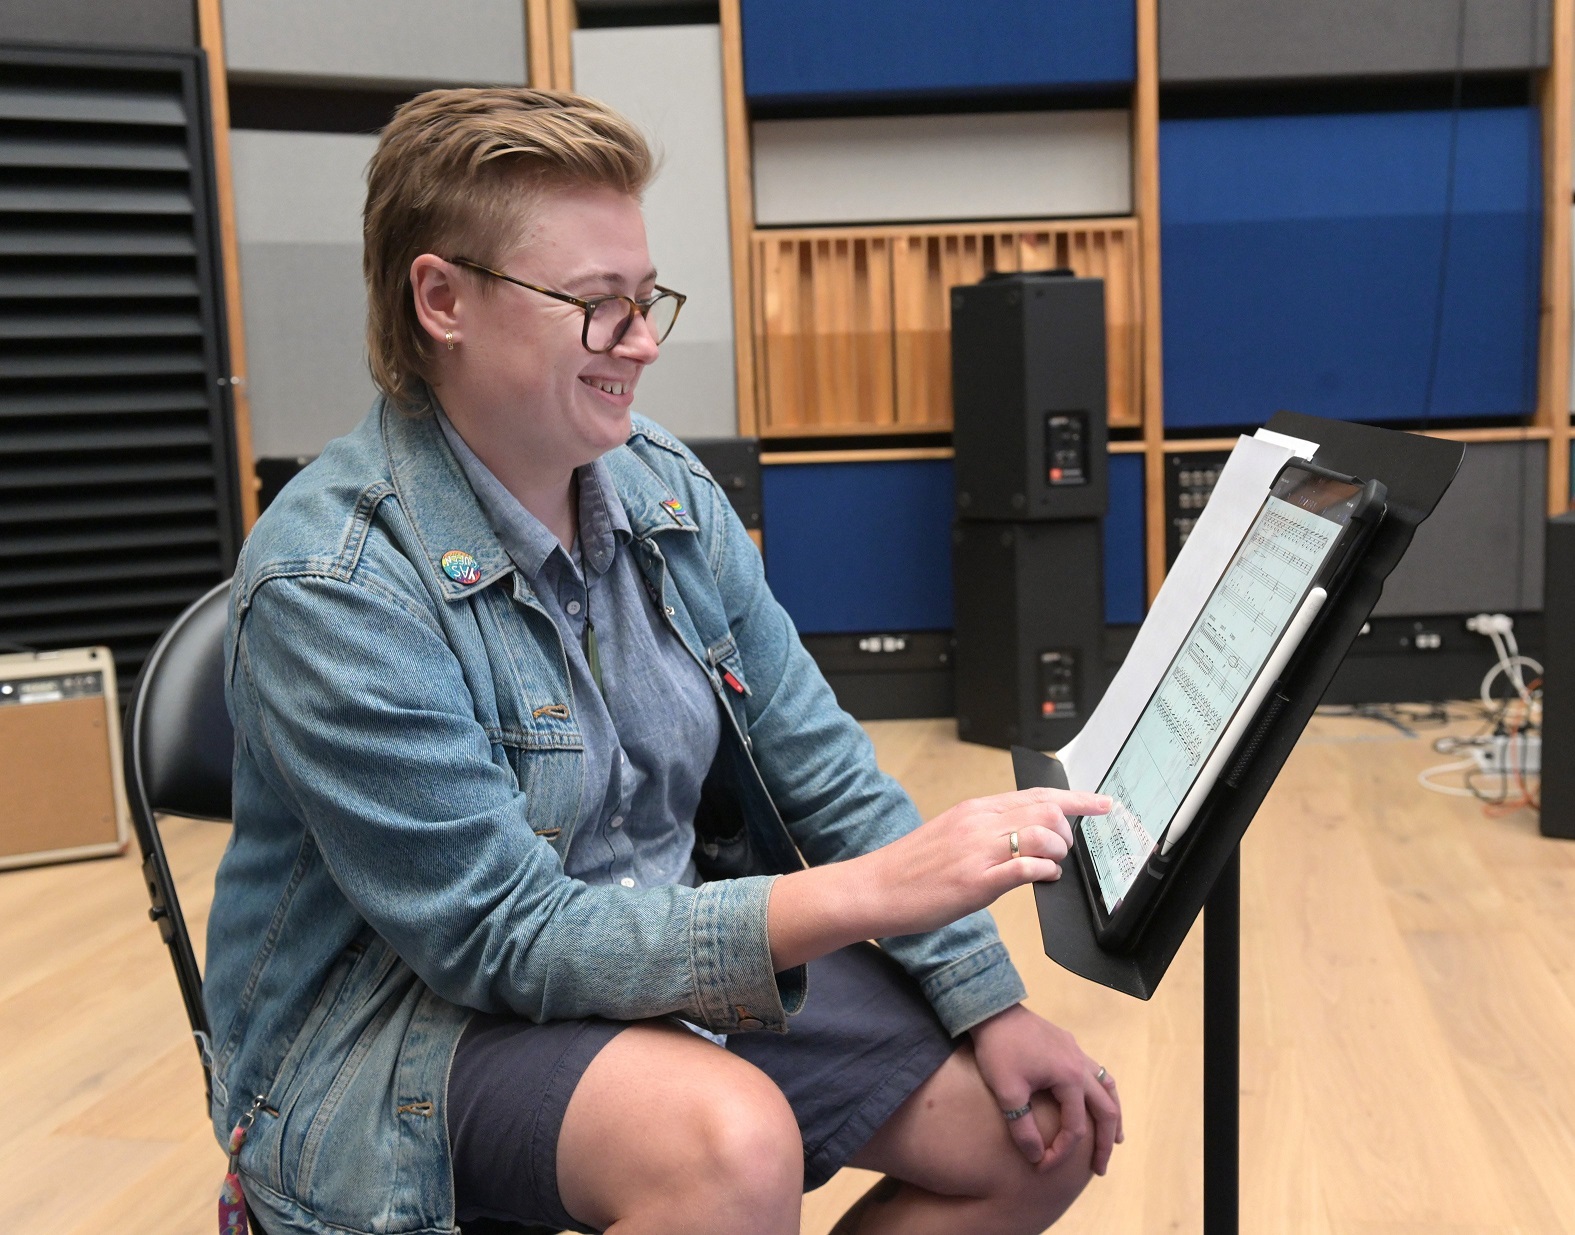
(865,1039)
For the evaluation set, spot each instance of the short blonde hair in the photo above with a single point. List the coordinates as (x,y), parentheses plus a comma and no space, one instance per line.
(459,172)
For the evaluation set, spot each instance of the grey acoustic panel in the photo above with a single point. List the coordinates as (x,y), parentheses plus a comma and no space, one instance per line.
(1237,40)
(307,187)
(668,80)
(1481,551)
(471,42)
(690,389)
(100,23)
(305,308)
(877,169)
(298,199)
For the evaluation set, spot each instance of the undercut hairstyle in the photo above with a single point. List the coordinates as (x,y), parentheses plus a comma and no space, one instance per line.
(460,173)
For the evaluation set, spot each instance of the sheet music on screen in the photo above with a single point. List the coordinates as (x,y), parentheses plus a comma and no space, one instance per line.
(1250,607)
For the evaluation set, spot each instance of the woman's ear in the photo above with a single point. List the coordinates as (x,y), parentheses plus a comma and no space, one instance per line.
(433,283)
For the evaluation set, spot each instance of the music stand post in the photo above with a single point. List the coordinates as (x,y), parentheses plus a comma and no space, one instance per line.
(1417,471)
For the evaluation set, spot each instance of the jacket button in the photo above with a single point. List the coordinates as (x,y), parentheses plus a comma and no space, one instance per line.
(750,1022)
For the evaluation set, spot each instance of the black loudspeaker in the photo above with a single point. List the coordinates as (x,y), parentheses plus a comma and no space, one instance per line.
(734,463)
(1030,624)
(1558,680)
(1029,398)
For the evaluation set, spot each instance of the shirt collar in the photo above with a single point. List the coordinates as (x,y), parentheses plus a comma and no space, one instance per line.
(528,542)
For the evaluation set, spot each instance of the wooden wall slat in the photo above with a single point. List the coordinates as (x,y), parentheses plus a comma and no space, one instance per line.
(837,308)
(210,28)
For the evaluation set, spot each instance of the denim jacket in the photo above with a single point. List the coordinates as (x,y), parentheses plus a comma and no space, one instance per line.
(407,773)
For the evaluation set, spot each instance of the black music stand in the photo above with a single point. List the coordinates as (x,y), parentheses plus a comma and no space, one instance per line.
(1417,471)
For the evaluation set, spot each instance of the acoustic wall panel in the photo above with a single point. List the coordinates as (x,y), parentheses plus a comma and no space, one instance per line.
(1482,549)
(118,493)
(797,50)
(298,199)
(101,23)
(867,547)
(1380,266)
(367,42)
(1001,165)
(1126,588)
(1248,40)
(860,546)
(668,80)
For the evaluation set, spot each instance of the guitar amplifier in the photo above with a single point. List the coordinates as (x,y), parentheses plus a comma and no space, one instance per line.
(60,758)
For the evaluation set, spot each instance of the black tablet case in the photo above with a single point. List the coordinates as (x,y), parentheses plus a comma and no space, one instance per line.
(1417,471)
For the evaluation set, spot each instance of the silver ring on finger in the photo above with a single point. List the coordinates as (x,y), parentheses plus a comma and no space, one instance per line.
(1101,1075)
(1011,840)
(1017,1112)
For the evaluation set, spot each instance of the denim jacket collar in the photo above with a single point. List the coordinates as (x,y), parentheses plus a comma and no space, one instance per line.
(445,514)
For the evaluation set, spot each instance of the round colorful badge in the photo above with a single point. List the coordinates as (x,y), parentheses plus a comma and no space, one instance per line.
(460,567)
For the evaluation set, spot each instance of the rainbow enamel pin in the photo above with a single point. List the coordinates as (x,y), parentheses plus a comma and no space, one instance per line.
(460,567)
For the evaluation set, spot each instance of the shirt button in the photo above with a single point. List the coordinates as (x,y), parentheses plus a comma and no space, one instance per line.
(617,821)
(573,607)
(627,882)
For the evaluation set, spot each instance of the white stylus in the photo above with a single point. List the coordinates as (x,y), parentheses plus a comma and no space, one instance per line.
(1244,716)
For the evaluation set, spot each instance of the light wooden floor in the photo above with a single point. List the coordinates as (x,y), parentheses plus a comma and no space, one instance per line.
(1408,1021)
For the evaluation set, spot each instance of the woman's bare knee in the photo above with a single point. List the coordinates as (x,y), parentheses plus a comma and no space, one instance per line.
(668,1132)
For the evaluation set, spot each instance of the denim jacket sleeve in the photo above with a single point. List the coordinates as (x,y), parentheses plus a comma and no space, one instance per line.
(820,768)
(358,713)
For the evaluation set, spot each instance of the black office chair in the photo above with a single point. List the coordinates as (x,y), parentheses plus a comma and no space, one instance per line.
(178,751)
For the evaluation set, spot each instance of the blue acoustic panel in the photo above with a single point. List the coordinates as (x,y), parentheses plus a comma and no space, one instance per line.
(829,49)
(860,546)
(1126,590)
(1305,259)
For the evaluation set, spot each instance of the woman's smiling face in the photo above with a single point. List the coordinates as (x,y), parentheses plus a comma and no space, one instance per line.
(520,368)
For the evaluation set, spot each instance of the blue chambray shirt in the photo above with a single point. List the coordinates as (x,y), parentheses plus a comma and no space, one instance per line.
(650,741)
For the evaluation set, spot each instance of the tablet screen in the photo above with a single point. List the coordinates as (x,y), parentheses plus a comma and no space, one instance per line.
(1244,617)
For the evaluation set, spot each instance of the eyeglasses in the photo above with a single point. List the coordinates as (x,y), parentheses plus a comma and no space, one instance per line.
(607,318)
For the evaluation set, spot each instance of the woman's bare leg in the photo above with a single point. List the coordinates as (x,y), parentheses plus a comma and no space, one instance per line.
(667,1132)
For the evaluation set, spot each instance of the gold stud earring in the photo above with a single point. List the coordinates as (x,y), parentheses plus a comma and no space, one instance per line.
(448,337)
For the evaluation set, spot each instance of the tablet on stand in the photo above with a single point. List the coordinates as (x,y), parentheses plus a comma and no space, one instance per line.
(1417,471)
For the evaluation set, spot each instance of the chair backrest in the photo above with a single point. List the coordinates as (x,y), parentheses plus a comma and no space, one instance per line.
(177,757)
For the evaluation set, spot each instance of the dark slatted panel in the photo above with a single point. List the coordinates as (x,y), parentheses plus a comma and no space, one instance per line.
(117,490)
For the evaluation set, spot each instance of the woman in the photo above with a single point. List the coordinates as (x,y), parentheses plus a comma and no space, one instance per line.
(541,810)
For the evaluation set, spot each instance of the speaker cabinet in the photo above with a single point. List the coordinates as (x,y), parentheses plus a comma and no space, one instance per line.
(60,758)
(1030,625)
(1029,397)
(1558,681)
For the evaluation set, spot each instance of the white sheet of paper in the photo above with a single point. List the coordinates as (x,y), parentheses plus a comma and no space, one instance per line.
(1235,502)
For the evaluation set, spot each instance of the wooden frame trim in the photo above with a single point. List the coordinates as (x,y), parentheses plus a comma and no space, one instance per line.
(773,458)
(1558,195)
(740,213)
(1145,183)
(1516,433)
(549,43)
(210,33)
(951,227)
(1506,433)
(538,44)
(565,21)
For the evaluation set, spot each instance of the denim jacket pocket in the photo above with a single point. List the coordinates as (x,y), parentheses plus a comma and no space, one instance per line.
(548,770)
(284,1091)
